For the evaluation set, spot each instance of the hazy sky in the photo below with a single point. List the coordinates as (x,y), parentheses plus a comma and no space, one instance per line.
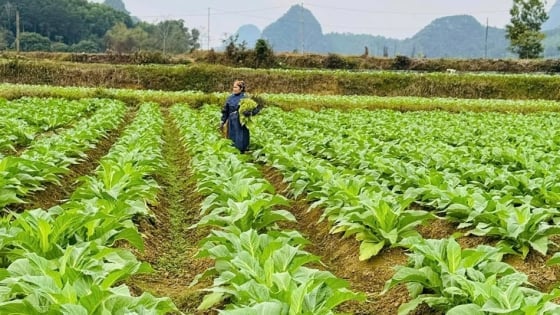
(391,18)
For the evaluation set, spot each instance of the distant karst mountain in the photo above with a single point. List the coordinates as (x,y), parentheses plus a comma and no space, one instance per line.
(460,36)
(296,30)
(249,34)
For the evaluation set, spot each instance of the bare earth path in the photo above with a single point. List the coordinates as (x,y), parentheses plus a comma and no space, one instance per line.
(169,244)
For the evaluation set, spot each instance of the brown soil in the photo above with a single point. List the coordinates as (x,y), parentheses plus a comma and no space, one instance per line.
(544,278)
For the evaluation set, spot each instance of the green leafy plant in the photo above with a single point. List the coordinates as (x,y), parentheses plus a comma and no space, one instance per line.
(246,104)
(448,278)
(78,282)
(519,228)
(257,268)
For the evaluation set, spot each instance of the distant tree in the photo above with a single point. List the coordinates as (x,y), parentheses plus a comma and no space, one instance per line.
(7,14)
(175,37)
(69,20)
(194,39)
(235,51)
(4,39)
(334,61)
(100,18)
(60,47)
(166,30)
(170,36)
(124,40)
(88,46)
(524,30)
(263,54)
(34,42)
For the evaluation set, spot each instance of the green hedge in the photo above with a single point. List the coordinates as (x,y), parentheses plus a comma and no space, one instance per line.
(211,78)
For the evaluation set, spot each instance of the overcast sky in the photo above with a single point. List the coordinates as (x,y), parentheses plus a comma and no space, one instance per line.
(217,19)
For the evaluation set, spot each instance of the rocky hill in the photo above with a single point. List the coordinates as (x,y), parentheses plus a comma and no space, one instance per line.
(460,36)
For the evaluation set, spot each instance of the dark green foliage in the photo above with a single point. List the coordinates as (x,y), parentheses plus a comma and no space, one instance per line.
(264,56)
(70,20)
(85,46)
(59,47)
(34,42)
(235,50)
(6,38)
(238,55)
(524,30)
(87,27)
(401,63)
(169,37)
(334,61)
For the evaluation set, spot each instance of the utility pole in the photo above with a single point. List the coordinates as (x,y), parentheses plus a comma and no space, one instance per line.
(208,44)
(302,29)
(17,30)
(486,41)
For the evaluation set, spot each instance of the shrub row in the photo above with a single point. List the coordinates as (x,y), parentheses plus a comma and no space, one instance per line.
(212,78)
(248,58)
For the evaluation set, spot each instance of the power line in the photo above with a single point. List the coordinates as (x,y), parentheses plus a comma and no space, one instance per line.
(17,30)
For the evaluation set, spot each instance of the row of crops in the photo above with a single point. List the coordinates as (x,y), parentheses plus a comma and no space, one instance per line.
(376,176)
(49,157)
(493,174)
(259,267)
(63,260)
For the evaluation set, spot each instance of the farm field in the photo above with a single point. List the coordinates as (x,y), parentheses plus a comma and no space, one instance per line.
(134,205)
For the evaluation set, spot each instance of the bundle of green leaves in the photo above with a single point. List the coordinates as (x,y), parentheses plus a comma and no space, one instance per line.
(246,104)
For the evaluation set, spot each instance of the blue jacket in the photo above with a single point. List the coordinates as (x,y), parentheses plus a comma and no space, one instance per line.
(237,133)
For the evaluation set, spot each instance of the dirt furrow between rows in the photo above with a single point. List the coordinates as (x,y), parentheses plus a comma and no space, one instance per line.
(169,244)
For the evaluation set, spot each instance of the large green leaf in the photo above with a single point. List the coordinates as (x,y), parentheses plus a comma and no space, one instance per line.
(370,249)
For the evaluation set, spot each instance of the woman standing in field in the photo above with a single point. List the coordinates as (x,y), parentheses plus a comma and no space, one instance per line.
(231,124)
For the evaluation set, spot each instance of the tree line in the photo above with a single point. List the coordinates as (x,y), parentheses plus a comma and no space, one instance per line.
(80,26)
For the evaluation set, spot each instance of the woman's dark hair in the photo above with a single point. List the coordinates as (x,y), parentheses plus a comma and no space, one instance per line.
(240,84)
